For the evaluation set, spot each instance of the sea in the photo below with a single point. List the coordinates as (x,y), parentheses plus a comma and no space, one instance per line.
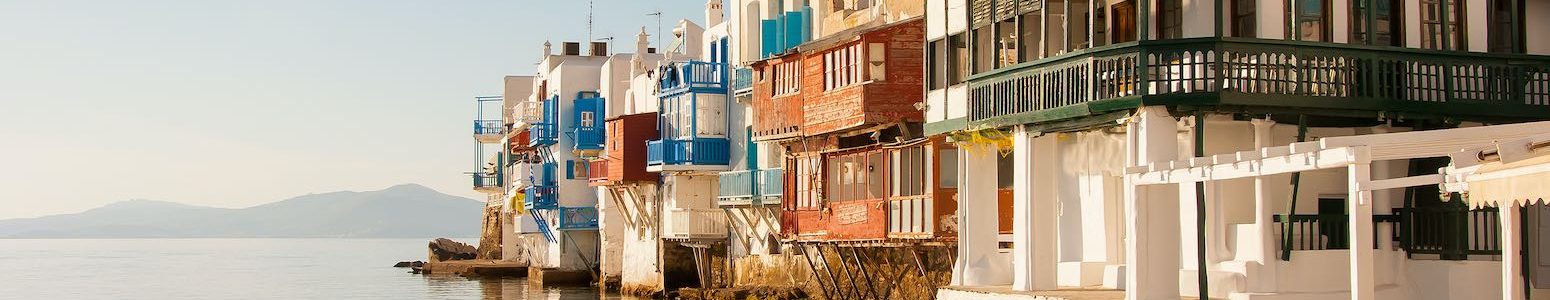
(241,269)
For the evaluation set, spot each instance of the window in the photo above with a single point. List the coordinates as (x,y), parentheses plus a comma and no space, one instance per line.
(1386,16)
(587,119)
(958,58)
(1311,20)
(1100,23)
(876,54)
(1076,25)
(842,67)
(1243,18)
(907,171)
(1433,26)
(788,78)
(1006,41)
(806,170)
(984,50)
(856,176)
(936,73)
(1170,19)
(1505,30)
(1031,34)
(947,168)
(1054,28)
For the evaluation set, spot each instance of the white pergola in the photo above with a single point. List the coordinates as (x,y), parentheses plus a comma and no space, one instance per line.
(1356,154)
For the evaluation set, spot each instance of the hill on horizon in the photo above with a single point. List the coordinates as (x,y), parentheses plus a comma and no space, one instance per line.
(402,211)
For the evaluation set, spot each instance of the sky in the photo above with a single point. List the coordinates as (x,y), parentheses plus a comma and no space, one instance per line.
(237,103)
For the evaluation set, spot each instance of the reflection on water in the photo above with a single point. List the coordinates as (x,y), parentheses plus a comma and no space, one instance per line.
(242,269)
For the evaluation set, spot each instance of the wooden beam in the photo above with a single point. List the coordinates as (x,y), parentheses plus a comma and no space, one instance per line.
(1402,182)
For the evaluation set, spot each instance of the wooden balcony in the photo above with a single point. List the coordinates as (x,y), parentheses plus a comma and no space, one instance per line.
(669,155)
(687,223)
(489,131)
(883,193)
(624,158)
(577,218)
(1265,76)
(751,187)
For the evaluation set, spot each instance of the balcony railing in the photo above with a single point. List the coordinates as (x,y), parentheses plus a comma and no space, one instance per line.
(597,172)
(482,181)
(694,76)
(483,127)
(528,112)
(541,197)
(755,187)
(695,224)
(1254,72)
(1452,232)
(742,79)
(700,151)
(578,218)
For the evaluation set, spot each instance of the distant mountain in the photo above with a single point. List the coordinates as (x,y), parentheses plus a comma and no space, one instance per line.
(407,211)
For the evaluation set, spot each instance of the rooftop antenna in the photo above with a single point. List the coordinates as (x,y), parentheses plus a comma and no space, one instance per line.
(658,14)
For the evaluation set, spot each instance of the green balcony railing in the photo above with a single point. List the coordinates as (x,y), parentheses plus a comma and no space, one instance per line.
(751,187)
(1263,73)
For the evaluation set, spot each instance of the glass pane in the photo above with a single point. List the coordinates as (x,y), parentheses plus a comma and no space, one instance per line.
(947,168)
(874,179)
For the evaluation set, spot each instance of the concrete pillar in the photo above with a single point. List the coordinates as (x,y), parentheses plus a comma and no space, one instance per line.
(1359,204)
(1152,228)
(1034,226)
(1512,248)
(979,263)
(1262,210)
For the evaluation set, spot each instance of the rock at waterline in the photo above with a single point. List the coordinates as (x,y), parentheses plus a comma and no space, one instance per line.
(443,249)
(408,264)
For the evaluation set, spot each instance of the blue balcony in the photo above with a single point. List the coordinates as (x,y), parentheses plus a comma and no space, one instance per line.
(541,197)
(786,31)
(578,218)
(742,79)
(545,132)
(698,151)
(751,187)
(693,76)
(488,127)
(586,125)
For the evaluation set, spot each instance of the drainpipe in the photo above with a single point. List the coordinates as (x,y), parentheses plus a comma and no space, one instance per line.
(1200,210)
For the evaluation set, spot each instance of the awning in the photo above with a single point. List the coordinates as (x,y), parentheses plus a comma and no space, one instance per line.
(1523,182)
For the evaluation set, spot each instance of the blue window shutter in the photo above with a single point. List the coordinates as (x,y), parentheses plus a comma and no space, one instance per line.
(570,169)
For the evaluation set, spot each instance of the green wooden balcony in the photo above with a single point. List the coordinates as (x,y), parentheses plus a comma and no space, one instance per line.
(1257,76)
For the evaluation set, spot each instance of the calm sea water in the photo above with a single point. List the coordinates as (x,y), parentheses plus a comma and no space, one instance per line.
(240,269)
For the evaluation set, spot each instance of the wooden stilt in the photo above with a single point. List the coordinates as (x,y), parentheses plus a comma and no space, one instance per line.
(814,270)
(853,288)
(829,270)
(919,265)
(866,275)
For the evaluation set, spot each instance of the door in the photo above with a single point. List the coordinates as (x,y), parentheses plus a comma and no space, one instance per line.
(1004,180)
(944,198)
(1123,28)
(1506,26)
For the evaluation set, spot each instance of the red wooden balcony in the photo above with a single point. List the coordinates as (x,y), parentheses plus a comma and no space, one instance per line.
(624,158)
(896,192)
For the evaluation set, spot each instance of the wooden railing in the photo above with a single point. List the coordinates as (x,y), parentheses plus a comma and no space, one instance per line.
(1268,72)
(689,223)
(1453,232)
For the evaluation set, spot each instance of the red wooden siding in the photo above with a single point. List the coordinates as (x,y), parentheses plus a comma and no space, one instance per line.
(774,117)
(626,147)
(888,99)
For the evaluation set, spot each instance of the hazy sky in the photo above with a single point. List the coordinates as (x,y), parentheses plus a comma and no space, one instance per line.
(238,103)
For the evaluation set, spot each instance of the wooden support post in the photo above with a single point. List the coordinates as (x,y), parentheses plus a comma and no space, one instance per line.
(918,264)
(866,275)
(812,268)
(1511,240)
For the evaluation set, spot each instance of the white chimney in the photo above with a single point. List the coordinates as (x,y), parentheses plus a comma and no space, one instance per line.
(712,13)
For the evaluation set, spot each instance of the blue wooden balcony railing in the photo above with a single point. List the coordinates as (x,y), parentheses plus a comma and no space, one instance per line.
(752,183)
(541,197)
(489,127)
(586,123)
(742,79)
(694,76)
(1261,73)
(546,130)
(698,151)
(578,218)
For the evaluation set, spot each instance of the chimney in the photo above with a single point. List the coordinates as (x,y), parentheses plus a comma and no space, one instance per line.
(599,48)
(571,48)
(712,13)
(548,49)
